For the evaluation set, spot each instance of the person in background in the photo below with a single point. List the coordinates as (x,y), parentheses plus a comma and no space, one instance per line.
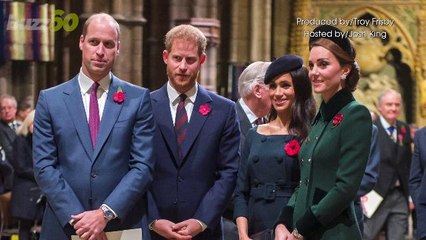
(8,127)
(369,179)
(254,103)
(269,169)
(417,182)
(196,146)
(395,158)
(334,155)
(93,144)
(25,191)
(25,106)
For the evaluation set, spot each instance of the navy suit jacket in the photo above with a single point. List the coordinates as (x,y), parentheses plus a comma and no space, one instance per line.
(200,185)
(417,182)
(372,170)
(74,176)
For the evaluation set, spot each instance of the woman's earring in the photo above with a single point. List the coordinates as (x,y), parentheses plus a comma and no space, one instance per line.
(343,77)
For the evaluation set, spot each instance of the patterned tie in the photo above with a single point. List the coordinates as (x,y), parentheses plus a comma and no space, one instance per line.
(257,122)
(391,129)
(94,120)
(181,123)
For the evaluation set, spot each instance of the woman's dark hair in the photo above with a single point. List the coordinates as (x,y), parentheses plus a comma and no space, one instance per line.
(303,108)
(344,58)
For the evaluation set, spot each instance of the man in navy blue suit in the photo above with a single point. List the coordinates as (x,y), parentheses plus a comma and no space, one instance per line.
(196,146)
(93,144)
(417,182)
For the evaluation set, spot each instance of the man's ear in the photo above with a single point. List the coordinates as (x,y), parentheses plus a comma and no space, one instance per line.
(165,56)
(80,43)
(118,48)
(203,58)
(257,90)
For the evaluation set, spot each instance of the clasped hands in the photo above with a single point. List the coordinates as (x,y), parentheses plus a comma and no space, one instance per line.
(282,233)
(90,225)
(177,231)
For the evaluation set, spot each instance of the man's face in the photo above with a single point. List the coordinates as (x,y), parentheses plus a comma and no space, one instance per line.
(8,110)
(390,107)
(183,64)
(99,47)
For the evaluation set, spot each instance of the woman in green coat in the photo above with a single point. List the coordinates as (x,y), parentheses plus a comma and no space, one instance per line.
(334,155)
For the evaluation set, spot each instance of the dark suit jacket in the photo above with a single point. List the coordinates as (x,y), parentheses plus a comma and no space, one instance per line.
(7,136)
(395,159)
(372,170)
(245,123)
(418,181)
(25,191)
(74,176)
(200,185)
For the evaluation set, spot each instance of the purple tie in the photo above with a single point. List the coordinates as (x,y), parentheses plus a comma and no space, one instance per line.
(181,123)
(94,121)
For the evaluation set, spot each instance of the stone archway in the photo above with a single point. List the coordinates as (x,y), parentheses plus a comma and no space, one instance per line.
(386,56)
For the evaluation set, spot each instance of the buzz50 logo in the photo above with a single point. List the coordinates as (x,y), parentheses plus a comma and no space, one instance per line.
(68,22)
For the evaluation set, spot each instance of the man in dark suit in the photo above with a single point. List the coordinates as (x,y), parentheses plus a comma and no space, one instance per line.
(254,104)
(395,157)
(8,126)
(93,144)
(417,181)
(196,146)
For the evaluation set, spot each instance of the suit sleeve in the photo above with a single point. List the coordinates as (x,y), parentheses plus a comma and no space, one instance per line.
(417,169)
(372,170)
(141,162)
(47,169)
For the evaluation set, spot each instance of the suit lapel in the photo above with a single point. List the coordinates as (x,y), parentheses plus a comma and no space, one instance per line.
(161,107)
(74,103)
(197,120)
(110,115)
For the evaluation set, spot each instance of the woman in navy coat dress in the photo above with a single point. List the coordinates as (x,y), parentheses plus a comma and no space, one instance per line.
(269,170)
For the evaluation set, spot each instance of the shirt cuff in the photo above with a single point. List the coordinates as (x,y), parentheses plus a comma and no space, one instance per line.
(203,225)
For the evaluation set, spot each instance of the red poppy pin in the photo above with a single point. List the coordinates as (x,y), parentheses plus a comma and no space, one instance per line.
(403,130)
(119,96)
(292,148)
(337,119)
(400,138)
(204,109)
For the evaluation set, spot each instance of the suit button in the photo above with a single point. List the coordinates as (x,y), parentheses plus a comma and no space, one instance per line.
(93,175)
(180,179)
(306,181)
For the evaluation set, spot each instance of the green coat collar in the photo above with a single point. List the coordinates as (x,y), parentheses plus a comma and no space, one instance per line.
(337,102)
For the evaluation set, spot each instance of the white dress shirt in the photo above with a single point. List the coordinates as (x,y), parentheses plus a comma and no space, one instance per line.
(85,87)
(174,100)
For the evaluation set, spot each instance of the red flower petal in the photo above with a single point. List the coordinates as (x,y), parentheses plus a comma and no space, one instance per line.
(292,148)
(204,109)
